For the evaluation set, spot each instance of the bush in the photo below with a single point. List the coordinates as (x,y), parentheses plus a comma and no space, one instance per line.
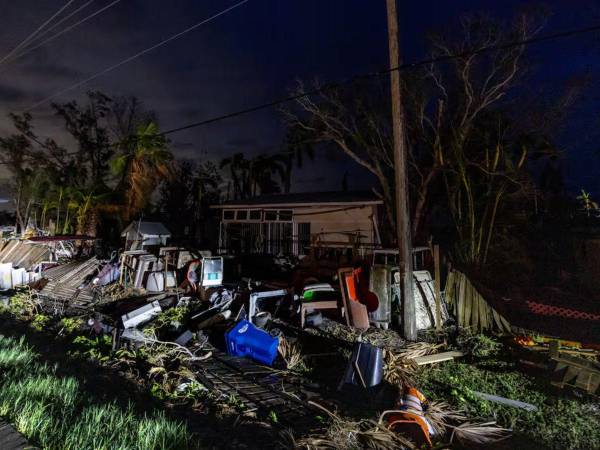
(478,345)
(70,325)
(39,322)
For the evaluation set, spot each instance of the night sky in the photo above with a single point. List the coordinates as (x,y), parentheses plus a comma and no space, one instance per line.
(255,53)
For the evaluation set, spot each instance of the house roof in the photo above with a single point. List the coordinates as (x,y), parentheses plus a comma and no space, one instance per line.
(305,199)
(148,229)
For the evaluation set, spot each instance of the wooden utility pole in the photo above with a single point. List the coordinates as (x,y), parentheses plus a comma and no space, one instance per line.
(402,205)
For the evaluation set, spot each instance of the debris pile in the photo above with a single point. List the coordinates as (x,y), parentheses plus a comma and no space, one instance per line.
(299,351)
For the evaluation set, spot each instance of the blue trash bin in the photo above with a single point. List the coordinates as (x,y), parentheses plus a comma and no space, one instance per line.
(246,340)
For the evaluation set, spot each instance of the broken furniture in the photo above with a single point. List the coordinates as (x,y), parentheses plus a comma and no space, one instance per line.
(424,294)
(385,283)
(246,340)
(141,315)
(356,313)
(261,301)
(143,270)
(575,371)
(365,367)
(317,297)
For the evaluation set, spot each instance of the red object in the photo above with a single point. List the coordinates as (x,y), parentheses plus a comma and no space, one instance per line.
(569,313)
(366,297)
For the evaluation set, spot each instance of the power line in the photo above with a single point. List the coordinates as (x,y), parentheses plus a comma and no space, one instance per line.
(60,33)
(413,65)
(32,35)
(137,55)
(64,19)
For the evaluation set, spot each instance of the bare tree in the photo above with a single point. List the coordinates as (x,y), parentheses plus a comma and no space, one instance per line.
(443,102)
(481,69)
(358,127)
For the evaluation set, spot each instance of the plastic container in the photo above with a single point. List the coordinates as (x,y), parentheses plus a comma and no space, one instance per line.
(246,340)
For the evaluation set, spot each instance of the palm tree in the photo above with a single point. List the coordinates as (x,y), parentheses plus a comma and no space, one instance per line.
(238,169)
(296,147)
(86,206)
(143,167)
(263,167)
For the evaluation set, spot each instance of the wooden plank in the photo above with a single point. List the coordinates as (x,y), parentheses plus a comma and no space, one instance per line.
(438,295)
(438,357)
(460,301)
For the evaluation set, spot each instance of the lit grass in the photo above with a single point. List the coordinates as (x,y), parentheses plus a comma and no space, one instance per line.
(55,413)
(560,422)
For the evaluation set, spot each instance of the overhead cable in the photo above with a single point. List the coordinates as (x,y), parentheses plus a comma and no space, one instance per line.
(60,33)
(401,67)
(135,56)
(34,33)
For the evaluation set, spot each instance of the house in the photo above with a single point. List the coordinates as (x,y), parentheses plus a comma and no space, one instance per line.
(140,235)
(295,223)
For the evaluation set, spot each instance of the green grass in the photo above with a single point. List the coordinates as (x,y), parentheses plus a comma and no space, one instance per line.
(55,412)
(560,422)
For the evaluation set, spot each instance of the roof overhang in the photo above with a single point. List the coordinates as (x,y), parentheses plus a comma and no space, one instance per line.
(298,205)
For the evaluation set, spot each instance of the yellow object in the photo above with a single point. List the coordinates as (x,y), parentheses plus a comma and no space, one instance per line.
(561,342)
(526,341)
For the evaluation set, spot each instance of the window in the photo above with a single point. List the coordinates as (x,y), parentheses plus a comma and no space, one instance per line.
(255,214)
(241,214)
(228,214)
(285,215)
(271,215)
(282,215)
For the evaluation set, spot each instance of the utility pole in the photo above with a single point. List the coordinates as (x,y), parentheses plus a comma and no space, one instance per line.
(402,204)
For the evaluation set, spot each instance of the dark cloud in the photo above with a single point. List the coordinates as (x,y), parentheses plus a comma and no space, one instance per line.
(54,70)
(249,56)
(11,94)
(242,142)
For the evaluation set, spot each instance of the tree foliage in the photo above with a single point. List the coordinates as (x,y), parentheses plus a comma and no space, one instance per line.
(65,188)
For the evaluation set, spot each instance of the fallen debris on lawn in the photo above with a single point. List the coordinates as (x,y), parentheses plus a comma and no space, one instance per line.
(270,352)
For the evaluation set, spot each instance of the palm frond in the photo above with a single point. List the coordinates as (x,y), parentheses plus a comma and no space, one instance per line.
(479,433)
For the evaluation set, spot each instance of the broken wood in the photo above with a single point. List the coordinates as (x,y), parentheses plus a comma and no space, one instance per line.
(438,357)
(577,372)
(438,294)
